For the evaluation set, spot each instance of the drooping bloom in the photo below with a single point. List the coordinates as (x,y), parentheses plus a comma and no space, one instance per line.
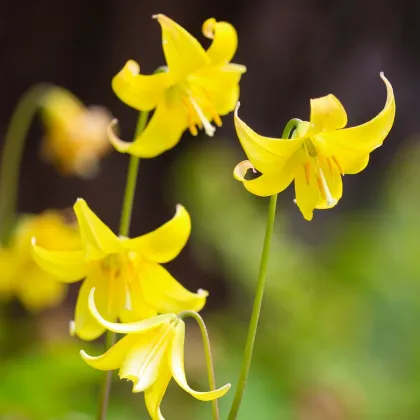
(20,276)
(198,87)
(129,280)
(149,355)
(316,156)
(76,137)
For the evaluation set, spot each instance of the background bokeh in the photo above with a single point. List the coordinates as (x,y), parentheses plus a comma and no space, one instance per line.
(339,337)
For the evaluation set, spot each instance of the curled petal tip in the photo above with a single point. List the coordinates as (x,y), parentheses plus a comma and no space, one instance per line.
(120,145)
(133,67)
(241,169)
(238,104)
(202,292)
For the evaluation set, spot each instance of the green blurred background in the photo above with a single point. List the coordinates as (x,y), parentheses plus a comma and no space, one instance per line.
(338,336)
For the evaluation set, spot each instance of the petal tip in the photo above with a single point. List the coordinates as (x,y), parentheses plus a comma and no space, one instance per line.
(72,328)
(203,293)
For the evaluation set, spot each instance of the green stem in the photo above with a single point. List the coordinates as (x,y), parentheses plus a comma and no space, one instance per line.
(127,210)
(208,356)
(253,324)
(14,145)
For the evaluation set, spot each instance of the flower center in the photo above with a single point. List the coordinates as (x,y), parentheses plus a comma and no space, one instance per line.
(199,105)
(119,270)
(314,162)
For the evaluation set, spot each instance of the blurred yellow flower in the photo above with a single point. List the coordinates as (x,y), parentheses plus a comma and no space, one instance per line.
(198,87)
(20,275)
(317,155)
(76,137)
(149,355)
(129,280)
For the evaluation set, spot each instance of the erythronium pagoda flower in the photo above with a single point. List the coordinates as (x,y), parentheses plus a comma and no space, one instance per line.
(130,282)
(320,151)
(149,355)
(76,137)
(198,87)
(20,275)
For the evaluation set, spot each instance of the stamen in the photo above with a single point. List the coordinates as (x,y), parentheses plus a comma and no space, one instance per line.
(190,112)
(214,115)
(323,187)
(208,128)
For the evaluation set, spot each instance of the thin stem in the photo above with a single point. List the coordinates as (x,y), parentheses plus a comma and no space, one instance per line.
(14,145)
(127,210)
(253,324)
(208,356)
(252,329)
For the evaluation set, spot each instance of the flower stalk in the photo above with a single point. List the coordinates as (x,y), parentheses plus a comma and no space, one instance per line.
(127,211)
(208,356)
(253,324)
(14,145)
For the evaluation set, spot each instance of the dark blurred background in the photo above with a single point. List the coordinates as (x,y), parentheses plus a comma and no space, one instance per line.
(339,337)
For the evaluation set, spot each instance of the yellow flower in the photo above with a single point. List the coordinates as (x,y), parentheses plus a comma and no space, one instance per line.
(198,87)
(149,355)
(318,154)
(76,136)
(129,280)
(20,275)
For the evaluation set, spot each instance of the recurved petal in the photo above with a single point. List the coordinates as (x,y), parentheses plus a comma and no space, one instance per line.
(267,154)
(358,141)
(266,185)
(225,40)
(167,241)
(66,266)
(137,90)
(218,86)
(176,363)
(163,292)
(114,357)
(183,52)
(85,325)
(131,327)
(97,238)
(153,396)
(162,133)
(307,192)
(327,113)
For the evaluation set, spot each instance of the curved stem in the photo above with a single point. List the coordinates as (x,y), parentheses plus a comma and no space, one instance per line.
(127,210)
(14,145)
(208,356)
(253,324)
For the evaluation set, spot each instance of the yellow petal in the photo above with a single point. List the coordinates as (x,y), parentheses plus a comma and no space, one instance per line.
(356,142)
(327,113)
(217,87)
(334,182)
(266,185)
(38,290)
(162,133)
(163,292)
(267,154)
(307,193)
(66,266)
(153,395)
(98,240)
(176,363)
(114,357)
(137,90)
(143,362)
(166,242)
(132,327)
(225,40)
(183,52)
(85,325)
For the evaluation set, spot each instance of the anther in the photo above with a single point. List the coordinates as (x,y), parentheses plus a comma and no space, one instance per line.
(208,128)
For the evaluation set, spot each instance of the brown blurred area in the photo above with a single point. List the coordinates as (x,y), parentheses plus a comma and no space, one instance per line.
(294,50)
